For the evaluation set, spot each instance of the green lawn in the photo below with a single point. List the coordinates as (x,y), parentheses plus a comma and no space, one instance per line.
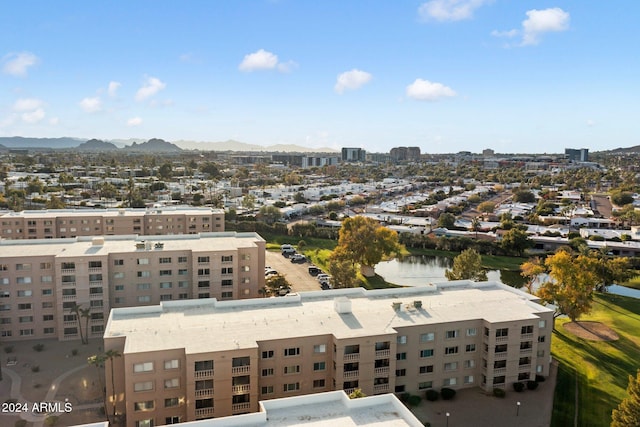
(600,368)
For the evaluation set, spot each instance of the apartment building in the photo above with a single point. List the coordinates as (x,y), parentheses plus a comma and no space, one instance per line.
(188,360)
(64,223)
(41,281)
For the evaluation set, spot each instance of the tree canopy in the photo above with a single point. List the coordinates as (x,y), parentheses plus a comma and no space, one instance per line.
(467,266)
(628,411)
(342,270)
(515,241)
(364,241)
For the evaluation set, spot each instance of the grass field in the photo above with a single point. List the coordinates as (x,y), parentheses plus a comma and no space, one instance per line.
(600,369)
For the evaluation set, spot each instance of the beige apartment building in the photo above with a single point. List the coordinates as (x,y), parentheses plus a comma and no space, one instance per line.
(41,281)
(66,223)
(189,360)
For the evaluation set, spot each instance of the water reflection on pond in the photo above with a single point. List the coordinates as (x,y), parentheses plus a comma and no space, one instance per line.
(419,270)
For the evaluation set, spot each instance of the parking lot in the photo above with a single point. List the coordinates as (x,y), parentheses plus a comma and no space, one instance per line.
(296,274)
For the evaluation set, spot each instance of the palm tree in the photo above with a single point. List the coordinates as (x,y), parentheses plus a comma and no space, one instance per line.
(475,225)
(75,309)
(110,355)
(84,313)
(98,360)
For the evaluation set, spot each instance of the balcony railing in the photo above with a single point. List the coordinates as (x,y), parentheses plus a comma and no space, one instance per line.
(382,371)
(95,283)
(241,369)
(206,392)
(68,270)
(526,336)
(204,373)
(95,269)
(501,355)
(351,357)
(68,283)
(68,297)
(499,371)
(526,350)
(381,354)
(502,339)
(348,391)
(381,388)
(240,407)
(95,296)
(241,389)
(525,367)
(351,374)
(204,412)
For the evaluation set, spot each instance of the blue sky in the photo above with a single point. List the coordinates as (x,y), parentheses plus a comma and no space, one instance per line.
(445,75)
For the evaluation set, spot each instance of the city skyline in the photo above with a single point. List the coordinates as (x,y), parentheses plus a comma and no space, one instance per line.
(442,75)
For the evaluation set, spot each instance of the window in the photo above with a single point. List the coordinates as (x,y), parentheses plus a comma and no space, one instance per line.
(449,381)
(266,389)
(204,272)
(227,258)
(145,423)
(143,367)
(426,353)
(470,348)
(165,285)
(293,351)
(172,364)
(118,262)
(23,280)
(426,369)
(527,329)
(451,334)
(499,364)
(227,295)
(401,372)
(27,293)
(48,331)
(144,274)
(165,272)
(118,275)
(144,298)
(47,304)
(451,366)
(47,317)
(542,324)
(318,383)
(25,319)
(203,365)
(183,284)
(183,272)
(142,261)
(203,259)
(502,332)
(540,353)
(501,348)
(171,402)
(26,306)
(425,385)
(172,383)
(291,387)
(468,379)
(539,369)
(26,267)
(268,372)
(147,405)
(472,332)
(319,366)
(143,386)
(469,363)
(267,354)
(541,338)
(227,270)
(47,292)
(293,369)
(451,350)
(182,259)
(429,336)
(45,266)
(320,348)
(401,356)
(143,286)
(119,287)
(46,279)
(401,339)
(95,291)
(498,380)
(166,260)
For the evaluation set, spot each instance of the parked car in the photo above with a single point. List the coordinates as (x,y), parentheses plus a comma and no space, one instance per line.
(283,247)
(284,290)
(325,286)
(287,252)
(323,277)
(314,271)
(270,272)
(298,259)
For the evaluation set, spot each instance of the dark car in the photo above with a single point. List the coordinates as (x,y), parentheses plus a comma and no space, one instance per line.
(314,271)
(298,259)
(287,252)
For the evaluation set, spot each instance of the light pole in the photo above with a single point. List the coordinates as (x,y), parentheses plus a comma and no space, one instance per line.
(517,409)
(447,414)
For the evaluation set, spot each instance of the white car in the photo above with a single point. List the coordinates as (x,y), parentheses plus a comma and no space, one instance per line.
(323,277)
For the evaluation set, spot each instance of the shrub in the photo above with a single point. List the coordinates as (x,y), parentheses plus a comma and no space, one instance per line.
(498,392)
(404,397)
(432,395)
(532,385)
(539,379)
(447,393)
(518,386)
(35,368)
(38,347)
(414,400)
(8,349)
(302,244)
(74,352)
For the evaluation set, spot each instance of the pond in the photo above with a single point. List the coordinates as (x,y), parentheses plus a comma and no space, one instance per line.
(419,270)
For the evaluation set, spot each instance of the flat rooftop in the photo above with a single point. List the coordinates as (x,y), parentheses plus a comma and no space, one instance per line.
(132,212)
(85,245)
(344,313)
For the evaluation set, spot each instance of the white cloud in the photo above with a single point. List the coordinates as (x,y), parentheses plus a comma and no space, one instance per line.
(113,88)
(351,80)
(260,60)
(27,104)
(16,64)
(449,10)
(152,86)
(424,90)
(91,105)
(33,116)
(134,121)
(53,121)
(537,23)
(286,67)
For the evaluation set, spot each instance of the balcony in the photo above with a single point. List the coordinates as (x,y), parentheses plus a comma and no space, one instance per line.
(499,371)
(204,412)
(526,336)
(502,339)
(95,269)
(240,370)
(204,373)
(68,297)
(68,270)
(95,283)
(95,296)
(500,356)
(384,371)
(381,388)
(351,374)
(241,389)
(68,283)
(351,357)
(526,350)
(70,323)
(207,392)
(237,408)
(524,368)
(383,354)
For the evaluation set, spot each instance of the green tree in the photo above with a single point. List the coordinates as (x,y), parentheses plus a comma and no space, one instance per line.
(515,241)
(621,198)
(356,394)
(165,171)
(98,360)
(524,196)
(249,201)
(446,220)
(364,241)
(531,270)
(628,412)
(342,270)
(467,266)
(275,283)
(486,207)
(75,309)
(54,203)
(573,280)
(269,214)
